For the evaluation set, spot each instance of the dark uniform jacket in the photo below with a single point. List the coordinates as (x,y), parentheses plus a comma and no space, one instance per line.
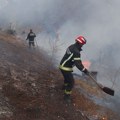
(72,58)
(31,36)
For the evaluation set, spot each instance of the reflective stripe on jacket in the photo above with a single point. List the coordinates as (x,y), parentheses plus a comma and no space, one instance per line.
(71,58)
(31,36)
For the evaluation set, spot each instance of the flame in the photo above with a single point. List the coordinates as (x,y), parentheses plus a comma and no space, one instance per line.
(104,118)
(86,63)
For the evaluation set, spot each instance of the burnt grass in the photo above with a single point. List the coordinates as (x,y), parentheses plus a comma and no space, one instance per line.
(31,87)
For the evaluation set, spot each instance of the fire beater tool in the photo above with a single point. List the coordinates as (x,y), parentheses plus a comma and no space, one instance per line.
(105,89)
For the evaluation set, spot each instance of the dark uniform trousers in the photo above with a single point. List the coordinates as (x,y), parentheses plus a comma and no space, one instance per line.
(68,81)
(31,43)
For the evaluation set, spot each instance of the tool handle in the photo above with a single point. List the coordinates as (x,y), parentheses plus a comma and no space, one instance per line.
(99,85)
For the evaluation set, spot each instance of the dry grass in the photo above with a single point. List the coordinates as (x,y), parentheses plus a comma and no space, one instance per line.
(34,90)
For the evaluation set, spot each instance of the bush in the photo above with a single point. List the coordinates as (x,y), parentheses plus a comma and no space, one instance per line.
(11,32)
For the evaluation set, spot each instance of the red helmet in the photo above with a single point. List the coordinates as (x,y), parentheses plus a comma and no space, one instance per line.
(81,40)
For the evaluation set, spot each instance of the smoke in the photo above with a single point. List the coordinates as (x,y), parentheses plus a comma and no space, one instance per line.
(97,20)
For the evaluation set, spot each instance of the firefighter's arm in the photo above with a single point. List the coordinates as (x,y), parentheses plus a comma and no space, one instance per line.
(27,36)
(78,63)
(80,66)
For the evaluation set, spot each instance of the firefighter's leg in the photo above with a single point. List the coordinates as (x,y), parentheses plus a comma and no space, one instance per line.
(68,82)
(33,44)
(68,79)
(65,80)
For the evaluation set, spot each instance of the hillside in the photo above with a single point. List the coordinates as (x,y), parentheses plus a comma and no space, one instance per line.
(30,87)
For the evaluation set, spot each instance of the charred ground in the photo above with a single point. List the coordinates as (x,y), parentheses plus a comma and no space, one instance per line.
(30,87)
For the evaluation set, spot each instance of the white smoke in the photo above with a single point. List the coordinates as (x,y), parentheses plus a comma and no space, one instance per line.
(97,20)
(3,3)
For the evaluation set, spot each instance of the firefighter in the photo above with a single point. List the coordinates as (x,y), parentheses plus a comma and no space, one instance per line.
(31,36)
(70,59)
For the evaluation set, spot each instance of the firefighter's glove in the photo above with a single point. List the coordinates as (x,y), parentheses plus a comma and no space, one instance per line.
(86,71)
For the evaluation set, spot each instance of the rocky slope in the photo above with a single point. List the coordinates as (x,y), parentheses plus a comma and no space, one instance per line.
(30,87)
